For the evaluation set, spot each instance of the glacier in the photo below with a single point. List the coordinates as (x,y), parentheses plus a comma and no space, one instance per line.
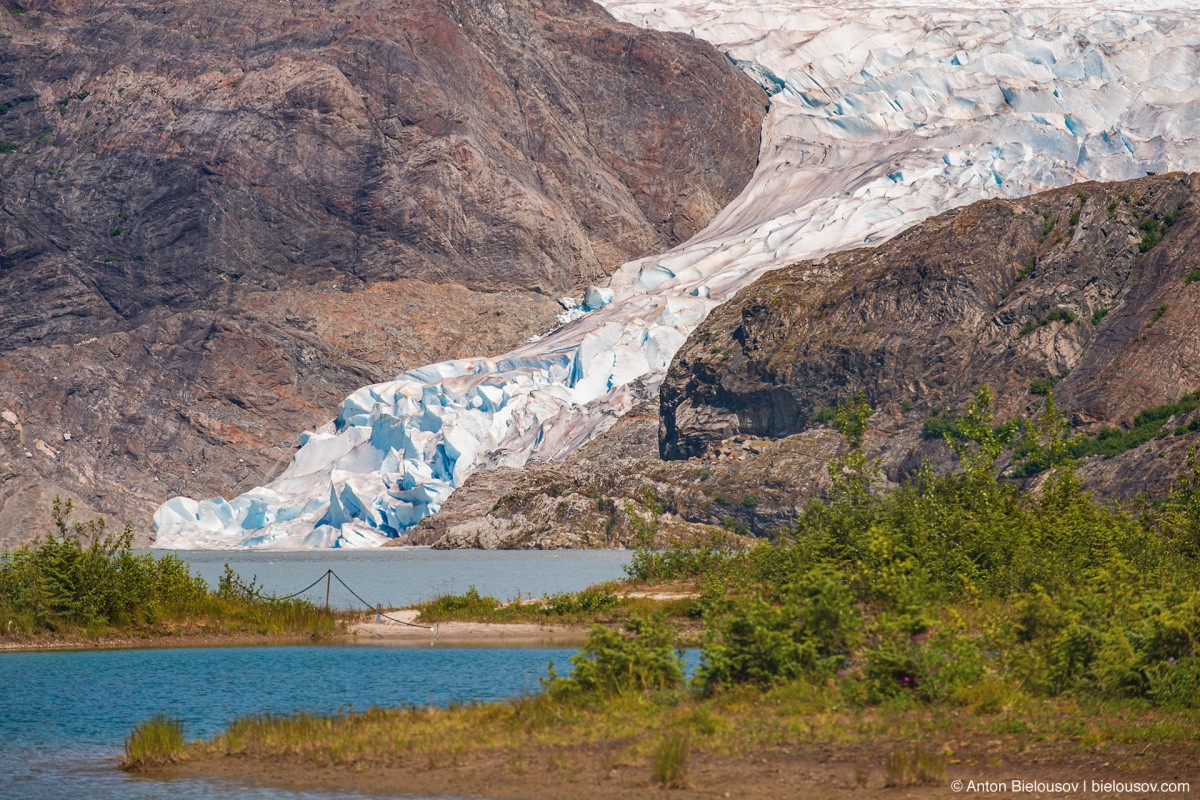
(880,116)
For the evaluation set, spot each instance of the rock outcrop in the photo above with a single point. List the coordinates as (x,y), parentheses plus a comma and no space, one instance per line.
(1092,289)
(218,220)
(1071,286)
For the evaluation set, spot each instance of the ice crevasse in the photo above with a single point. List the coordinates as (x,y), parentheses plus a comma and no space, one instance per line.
(880,117)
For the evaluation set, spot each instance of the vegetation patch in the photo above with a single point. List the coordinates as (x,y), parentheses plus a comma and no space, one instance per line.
(669,768)
(597,604)
(1147,425)
(1057,315)
(915,766)
(1158,314)
(1154,229)
(1042,386)
(84,581)
(155,742)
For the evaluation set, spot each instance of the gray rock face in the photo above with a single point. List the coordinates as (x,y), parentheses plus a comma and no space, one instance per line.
(1071,286)
(191,191)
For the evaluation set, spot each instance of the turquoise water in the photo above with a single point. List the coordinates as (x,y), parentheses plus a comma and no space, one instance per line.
(400,576)
(64,715)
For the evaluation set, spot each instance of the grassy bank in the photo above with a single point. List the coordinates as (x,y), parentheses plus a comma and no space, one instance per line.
(85,583)
(606,604)
(750,738)
(957,621)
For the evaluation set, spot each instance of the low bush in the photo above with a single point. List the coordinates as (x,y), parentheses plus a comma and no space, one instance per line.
(85,580)
(643,658)
(809,633)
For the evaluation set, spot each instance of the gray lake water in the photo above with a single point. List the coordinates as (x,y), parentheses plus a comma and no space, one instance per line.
(399,576)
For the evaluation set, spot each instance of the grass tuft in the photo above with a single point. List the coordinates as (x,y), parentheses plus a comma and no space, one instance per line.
(155,742)
(669,768)
(915,766)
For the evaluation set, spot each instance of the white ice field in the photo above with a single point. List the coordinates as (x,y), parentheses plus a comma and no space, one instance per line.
(879,118)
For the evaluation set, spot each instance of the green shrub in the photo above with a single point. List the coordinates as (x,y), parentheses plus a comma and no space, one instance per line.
(84,579)
(1147,425)
(589,601)
(1158,314)
(1174,685)
(939,425)
(682,561)
(809,634)
(823,415)
(644,658)
(1042,386)
(1152,234)
(468,603)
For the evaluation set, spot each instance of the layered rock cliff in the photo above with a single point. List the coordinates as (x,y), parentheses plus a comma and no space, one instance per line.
(217,220)
(1093,290)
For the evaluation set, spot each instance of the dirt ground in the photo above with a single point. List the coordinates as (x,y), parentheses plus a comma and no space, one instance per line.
(811,772)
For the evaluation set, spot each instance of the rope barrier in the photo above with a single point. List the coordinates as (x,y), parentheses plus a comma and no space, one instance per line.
(357,596)
(370,607)
(305,589)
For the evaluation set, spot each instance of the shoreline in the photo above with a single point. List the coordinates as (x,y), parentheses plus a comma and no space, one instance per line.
(478,634)
(402,628)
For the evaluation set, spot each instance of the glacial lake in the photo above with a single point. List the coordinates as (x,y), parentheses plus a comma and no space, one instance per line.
(400,576)
(64,715)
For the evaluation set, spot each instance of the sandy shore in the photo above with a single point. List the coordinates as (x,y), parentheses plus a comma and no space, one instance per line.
(404,627)
(401,629)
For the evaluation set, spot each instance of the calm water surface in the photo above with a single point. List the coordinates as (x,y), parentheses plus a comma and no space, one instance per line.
(64,715)
(400,576)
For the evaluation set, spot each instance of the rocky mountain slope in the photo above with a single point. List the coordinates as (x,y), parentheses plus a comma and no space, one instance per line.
(1092,289)
(882,115)
(216,220)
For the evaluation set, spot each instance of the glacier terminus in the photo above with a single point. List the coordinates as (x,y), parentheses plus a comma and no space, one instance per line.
(880,117)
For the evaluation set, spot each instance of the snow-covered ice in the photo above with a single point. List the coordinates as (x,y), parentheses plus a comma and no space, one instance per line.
(880,117)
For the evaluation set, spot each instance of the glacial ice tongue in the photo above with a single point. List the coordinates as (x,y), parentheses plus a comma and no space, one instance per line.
(880,117)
